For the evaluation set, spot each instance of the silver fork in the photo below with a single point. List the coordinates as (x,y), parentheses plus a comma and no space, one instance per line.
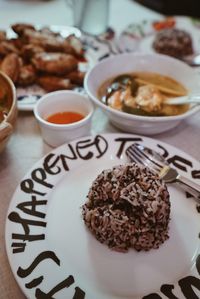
(153,160)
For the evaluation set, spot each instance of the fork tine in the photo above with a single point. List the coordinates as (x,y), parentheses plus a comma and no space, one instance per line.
(133,157)
(148,156)
(134,153)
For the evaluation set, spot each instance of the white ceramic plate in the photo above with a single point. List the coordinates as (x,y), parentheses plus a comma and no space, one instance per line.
(140,36)
(53,255)
(95,50)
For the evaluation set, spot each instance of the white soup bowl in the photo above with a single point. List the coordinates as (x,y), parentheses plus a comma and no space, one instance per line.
(134,62)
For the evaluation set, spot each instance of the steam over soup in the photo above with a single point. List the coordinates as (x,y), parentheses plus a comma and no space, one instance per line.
(143,93)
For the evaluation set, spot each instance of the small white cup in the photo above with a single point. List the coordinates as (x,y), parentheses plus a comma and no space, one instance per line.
(61,101)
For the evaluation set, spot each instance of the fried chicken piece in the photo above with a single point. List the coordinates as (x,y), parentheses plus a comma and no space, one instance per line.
(33,36)
(76,77)
(19,28)
(41,53)
(55,63)
(17,43)
(2,35)
(48,31)
(11,66)
(29,51)
(52,83)
(27,75)
(76,44)
(50,42)
(1,116)
(7,47)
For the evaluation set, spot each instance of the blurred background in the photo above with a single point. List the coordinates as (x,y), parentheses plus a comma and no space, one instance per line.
(173,7)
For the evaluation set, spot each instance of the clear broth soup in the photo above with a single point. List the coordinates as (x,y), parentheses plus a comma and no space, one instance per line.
(143,93)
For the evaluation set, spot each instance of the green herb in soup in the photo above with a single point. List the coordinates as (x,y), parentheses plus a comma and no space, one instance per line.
(5,99)
(143,93)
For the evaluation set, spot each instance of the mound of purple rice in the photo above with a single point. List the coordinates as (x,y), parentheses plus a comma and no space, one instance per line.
(173,42)
(128,207)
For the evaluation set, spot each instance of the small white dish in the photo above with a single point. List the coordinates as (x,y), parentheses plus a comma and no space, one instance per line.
(141,62)
(139,36)
(62,101)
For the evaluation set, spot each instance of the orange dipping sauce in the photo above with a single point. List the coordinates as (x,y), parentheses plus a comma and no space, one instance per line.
(63,118)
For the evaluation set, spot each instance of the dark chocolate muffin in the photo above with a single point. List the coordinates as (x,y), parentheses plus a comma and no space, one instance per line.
(128,206)
(173,42)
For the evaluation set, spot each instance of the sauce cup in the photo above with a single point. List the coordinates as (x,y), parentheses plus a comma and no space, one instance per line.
(59,102)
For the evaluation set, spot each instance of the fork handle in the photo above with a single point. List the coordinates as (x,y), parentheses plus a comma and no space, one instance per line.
(189,186)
